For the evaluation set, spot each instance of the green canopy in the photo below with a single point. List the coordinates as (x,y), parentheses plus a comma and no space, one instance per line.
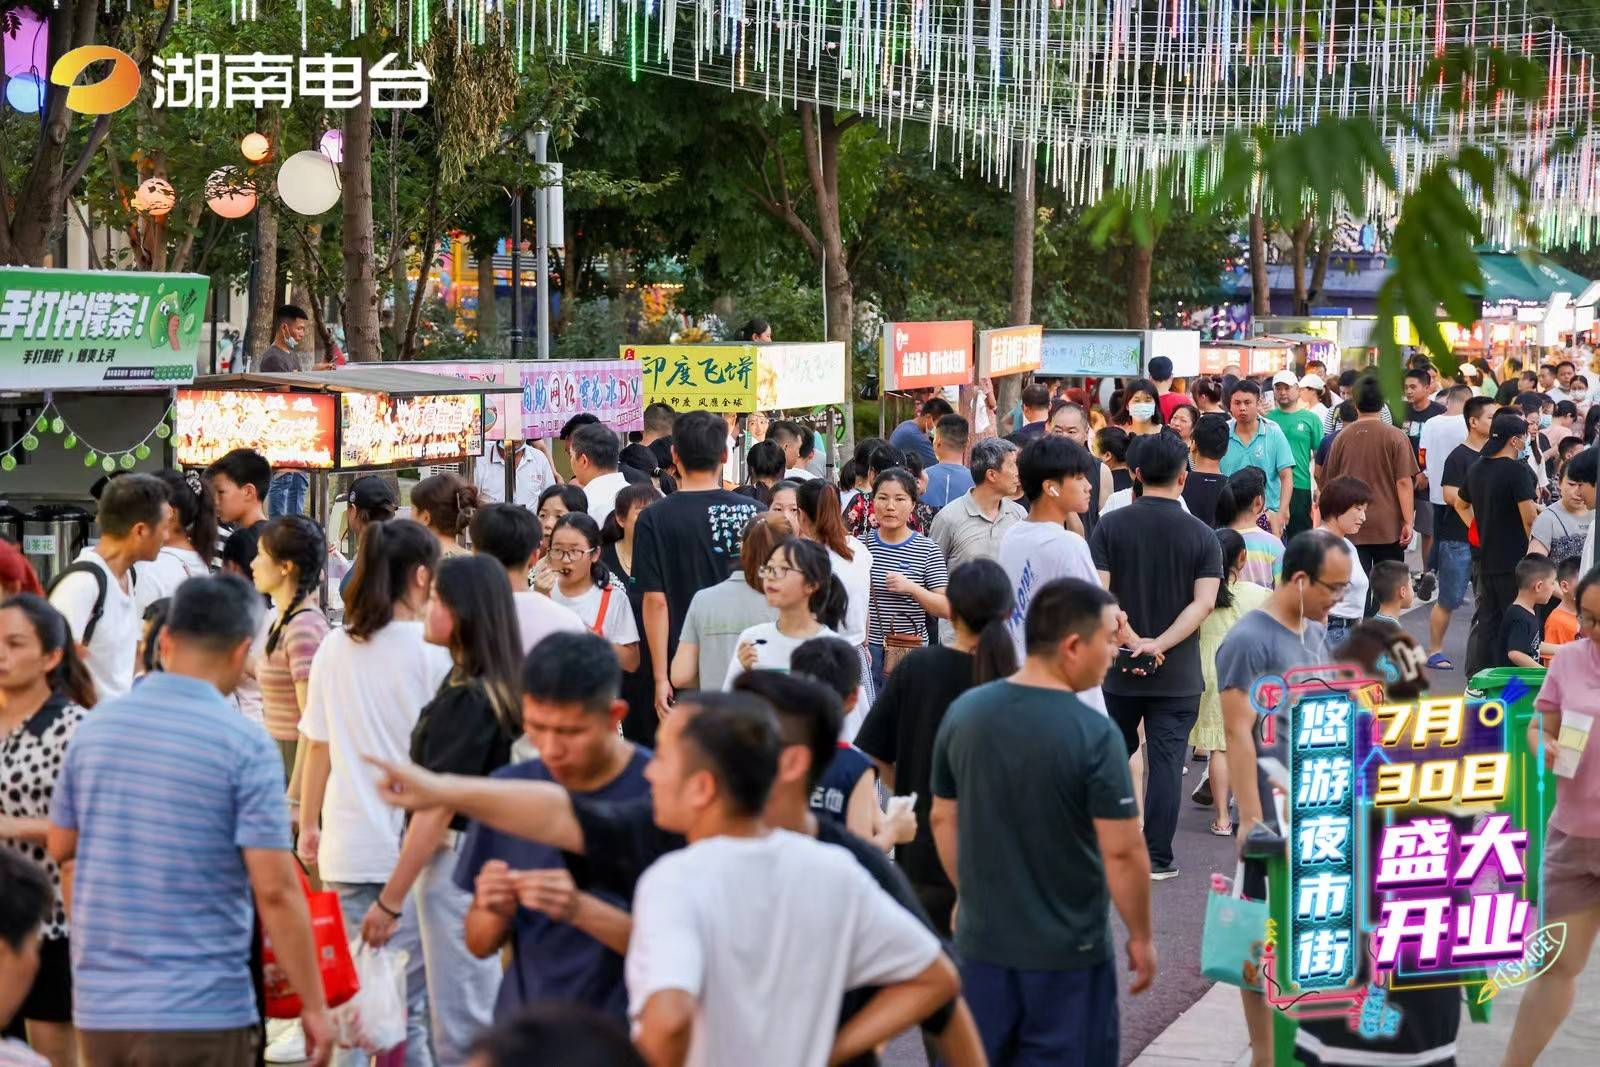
(1526,278)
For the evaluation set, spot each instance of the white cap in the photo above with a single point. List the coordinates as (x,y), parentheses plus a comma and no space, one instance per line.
(1285,377)
(1469,370)
(1312,381)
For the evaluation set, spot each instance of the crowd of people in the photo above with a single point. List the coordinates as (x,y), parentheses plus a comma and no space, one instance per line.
(734,764)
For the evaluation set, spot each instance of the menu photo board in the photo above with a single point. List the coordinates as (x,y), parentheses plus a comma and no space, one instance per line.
(790,377)
(1215,359)
(294,430)
(696,377)
(926,355)
(1012,350)
(1092,353)
(378,430)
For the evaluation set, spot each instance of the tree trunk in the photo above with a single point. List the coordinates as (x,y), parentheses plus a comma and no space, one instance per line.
(361,283)
(1024,213)
(1319,272)
(820,135)
(1140,259)
(487,322)
(430,242)
(1260,285)
(1299,241)
(264,285)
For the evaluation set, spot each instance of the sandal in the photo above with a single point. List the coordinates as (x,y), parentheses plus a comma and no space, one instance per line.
(1220,831)
(1440,662)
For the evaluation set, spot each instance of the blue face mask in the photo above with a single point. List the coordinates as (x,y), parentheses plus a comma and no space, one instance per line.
(1527,450)
(1544,422)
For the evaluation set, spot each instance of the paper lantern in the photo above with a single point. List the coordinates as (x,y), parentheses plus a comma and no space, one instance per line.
(332,145)
(225,197)
(26,48)
(256,148)
(308,183)
(154,197)
(25,93)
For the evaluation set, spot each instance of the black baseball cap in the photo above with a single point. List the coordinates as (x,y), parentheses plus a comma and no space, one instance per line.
(370,492)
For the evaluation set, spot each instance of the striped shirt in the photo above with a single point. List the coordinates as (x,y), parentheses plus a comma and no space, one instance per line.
(165,786)
(919,559)
(289,662)
(1263,558)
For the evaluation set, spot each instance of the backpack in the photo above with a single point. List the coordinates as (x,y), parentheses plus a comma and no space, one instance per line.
(102,587)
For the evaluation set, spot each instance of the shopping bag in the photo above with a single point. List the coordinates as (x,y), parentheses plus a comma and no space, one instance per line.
(1231,943)
(374,1020)
(339,982)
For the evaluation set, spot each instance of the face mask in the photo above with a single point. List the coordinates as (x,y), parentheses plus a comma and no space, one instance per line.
(1544,422)
(1527,450)
(1142,412)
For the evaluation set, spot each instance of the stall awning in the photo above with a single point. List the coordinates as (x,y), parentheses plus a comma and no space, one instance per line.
(387,380)
(1525,279)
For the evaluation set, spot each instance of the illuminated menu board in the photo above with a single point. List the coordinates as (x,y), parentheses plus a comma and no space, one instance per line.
(377,430)
(289,429)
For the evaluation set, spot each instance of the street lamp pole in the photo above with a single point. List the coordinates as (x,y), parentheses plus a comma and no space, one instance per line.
(538,142)
(516,272)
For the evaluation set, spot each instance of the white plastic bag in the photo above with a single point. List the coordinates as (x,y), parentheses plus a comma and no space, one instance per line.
(374,1020)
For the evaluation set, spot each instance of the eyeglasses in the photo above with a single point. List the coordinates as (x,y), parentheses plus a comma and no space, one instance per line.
(570,554)
(778,573)
(1336,588)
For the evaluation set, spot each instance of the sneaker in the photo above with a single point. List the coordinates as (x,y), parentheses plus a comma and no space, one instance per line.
(289,1044)
(1202,792)
(1425,586)
(1161,872)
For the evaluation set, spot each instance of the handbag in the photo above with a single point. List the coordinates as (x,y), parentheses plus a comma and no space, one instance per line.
(1233,939)
(897,647)
(334,964)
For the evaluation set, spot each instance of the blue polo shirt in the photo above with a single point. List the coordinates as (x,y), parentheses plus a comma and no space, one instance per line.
(1268,449)
(165,786)
(551,960)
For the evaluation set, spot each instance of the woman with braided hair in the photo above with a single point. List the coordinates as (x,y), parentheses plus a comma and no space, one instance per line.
(288,569)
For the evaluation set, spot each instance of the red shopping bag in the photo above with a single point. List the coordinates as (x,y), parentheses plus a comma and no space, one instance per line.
(338,970)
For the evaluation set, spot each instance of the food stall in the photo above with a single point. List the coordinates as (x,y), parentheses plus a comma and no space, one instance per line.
(917,357)
(1255,357)
(88,363)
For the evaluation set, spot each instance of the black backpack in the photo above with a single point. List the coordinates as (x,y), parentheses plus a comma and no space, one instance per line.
(102,587)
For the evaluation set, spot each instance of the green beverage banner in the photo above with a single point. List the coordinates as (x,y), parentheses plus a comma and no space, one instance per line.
(98,329)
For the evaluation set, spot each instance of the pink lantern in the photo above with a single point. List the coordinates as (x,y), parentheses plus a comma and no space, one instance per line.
(26,47)
(332,145)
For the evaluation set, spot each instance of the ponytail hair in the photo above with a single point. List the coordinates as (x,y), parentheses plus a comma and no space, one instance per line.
(484,646)
(628,498)
(828,598)
(982,601)
(819,503)
(389,554)
(584,523)
(1232,544)
(298,542)
(70,677)
(449,500)
(194,510)
(1239,493)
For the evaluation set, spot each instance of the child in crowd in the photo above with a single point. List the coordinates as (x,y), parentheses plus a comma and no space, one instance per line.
(1208,444)
(1519,639)
(1111,445)
(1240,504)
(1391,589)
(1561,627)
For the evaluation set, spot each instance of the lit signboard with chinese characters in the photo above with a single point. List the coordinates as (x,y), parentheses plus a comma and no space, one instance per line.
(377,430)
(289,429)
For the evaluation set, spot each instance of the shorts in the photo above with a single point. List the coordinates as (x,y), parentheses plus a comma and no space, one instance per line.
(1057,1017)
(1454,562)
(1571,874)
(50,999)
(239,1047)
(1422,523)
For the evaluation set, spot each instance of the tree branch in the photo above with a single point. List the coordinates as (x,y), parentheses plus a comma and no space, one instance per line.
(848,121)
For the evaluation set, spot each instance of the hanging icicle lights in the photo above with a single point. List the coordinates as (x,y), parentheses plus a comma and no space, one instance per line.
(1111,90)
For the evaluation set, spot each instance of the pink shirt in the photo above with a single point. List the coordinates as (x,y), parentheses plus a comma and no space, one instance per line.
(290,662)
(1573,684)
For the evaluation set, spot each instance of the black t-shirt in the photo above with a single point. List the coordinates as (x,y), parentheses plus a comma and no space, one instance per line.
(1460,460)
(458,732)
(1121,478)
(1155,553)
(1495,488)
(1200,493)
(900,730)
(1519,632)
(1415,420)
(621,840)
(830,798)
(687,542)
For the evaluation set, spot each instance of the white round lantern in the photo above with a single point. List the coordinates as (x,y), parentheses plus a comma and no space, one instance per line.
(308,183)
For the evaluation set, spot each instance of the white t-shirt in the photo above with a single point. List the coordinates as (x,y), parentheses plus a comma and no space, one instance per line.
(774,651)
(538,617)
(617,627)
(534,473)
(247,694)
(799,474)
(1354,602)
(602,493)
(115,642)
(161,576)
(856,574)
(766,934)
(1032,554)
(363,700)
(1440,436)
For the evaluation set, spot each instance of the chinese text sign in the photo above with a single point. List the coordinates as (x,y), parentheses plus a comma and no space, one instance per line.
(697,377)
(610,389)
(926,355)
(1013,350)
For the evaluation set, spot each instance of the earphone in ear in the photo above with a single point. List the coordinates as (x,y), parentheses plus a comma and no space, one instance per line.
(1054,491)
